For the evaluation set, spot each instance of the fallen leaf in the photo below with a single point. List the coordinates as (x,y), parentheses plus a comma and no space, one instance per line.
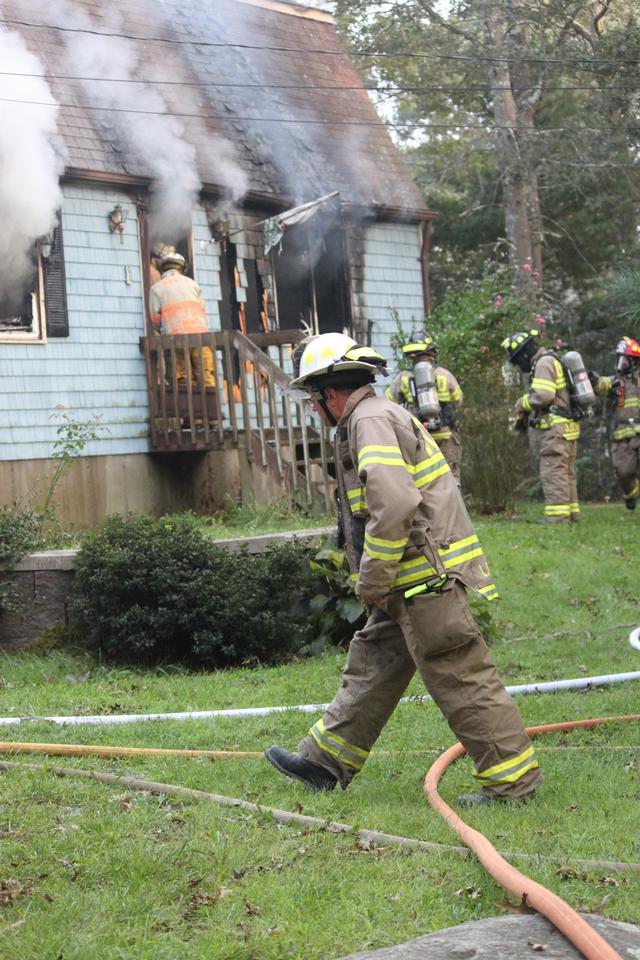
(251,910)
(538,947)
(297,807)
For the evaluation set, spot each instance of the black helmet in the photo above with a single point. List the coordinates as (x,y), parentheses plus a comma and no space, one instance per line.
(521,347)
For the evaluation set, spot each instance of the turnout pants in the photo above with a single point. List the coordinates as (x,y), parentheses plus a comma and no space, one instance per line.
(625,455)
(558,475)
(437,635)
(194,360)
(451,449)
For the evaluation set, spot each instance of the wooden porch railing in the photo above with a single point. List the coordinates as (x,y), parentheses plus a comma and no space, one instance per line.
(282,434)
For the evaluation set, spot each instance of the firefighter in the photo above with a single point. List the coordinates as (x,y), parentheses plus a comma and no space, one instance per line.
(624,387)
(402,390)
(176,307)
(158,251)
(547,407)
(412,553)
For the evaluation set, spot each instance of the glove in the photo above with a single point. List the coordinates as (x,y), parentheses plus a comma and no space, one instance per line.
(593,378)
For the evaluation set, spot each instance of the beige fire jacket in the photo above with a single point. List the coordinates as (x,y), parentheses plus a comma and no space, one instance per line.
(403,517)
(548,396)
(626,412)
(176,305)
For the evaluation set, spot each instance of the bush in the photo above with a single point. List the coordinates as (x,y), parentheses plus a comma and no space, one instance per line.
(151,590)
(335,612)
(19,532)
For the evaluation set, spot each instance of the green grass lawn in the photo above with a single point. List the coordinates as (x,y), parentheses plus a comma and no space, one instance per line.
(87,870)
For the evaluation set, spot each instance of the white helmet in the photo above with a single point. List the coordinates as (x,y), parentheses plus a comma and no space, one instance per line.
(331,353)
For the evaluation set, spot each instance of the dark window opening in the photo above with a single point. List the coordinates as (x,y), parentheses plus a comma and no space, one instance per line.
(229,307)
(311,280)
(19,304)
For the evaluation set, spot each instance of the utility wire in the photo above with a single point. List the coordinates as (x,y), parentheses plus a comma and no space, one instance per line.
(403,125)
(387,54)
(482,88)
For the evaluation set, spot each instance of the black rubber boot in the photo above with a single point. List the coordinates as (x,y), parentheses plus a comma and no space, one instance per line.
(486,798)
(630,503)
(315,777)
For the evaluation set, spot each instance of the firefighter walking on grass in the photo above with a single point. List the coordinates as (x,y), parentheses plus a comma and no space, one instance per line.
(547,406)
(412,553)
(624,388)
(176,307)
(432,394)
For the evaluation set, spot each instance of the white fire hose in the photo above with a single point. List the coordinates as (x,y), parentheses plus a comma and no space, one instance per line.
(551,686)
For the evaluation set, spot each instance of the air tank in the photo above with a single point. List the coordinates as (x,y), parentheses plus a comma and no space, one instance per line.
(427,401)
(580,385)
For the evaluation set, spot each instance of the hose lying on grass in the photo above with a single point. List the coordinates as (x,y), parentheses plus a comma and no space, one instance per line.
(577,931)
(556,910)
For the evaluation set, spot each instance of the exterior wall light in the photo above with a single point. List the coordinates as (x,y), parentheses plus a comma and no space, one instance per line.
(117,218)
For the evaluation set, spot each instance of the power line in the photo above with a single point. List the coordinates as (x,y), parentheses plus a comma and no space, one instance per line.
(409,125)
(581,61)
(297,86)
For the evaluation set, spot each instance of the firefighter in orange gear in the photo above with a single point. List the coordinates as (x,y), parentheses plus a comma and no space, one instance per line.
(176,307)
(624,387)
(402,390)
(547,407)
(412,553)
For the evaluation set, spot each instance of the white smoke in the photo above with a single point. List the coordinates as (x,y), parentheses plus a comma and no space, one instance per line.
(137,116)
(30,195)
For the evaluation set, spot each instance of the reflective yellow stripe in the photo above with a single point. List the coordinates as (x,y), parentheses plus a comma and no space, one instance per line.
(560,377)
(428,470)
(510,770)
(356,499)
(336,746)
(539,384)
(526,404)
(574,507)
(442,434)
(413,571)
(461,551)
(622,433)
(489,592)
(390,455)
(456,395)
(634,492)
(558,509)
(381,549)
(443,388)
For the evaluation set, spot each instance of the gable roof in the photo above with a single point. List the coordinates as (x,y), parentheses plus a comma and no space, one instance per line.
(262,89)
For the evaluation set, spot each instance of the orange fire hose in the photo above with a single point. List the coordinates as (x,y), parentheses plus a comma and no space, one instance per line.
(554,908)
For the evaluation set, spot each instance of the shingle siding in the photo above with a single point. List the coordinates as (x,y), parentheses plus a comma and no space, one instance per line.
(98,369)
(391,279)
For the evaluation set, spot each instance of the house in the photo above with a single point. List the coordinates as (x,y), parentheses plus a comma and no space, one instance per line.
(192,126)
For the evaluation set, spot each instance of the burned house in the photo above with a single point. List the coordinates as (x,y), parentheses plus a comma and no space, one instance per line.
(212,131)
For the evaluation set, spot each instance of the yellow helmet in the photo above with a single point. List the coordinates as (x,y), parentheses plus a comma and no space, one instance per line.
(329,354)
(422,344)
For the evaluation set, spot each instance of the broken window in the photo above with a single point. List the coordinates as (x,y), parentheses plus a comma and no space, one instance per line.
(311,280)
(37,308)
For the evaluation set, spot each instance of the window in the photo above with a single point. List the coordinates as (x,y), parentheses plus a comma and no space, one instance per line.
(311,280)
(22,306)
(37,310)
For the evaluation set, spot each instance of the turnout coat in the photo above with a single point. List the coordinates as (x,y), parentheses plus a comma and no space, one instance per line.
(403,518)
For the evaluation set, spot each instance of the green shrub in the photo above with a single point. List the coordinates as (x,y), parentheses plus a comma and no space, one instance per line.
(335,612)
(19,532)
(150,590)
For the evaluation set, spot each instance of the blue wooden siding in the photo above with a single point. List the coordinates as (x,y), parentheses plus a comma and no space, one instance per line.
(98,369)
(392,280)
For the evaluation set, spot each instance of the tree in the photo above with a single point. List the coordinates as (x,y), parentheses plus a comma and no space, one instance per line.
(527,108)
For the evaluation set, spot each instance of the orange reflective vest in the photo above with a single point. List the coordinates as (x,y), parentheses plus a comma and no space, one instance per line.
(176,305)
